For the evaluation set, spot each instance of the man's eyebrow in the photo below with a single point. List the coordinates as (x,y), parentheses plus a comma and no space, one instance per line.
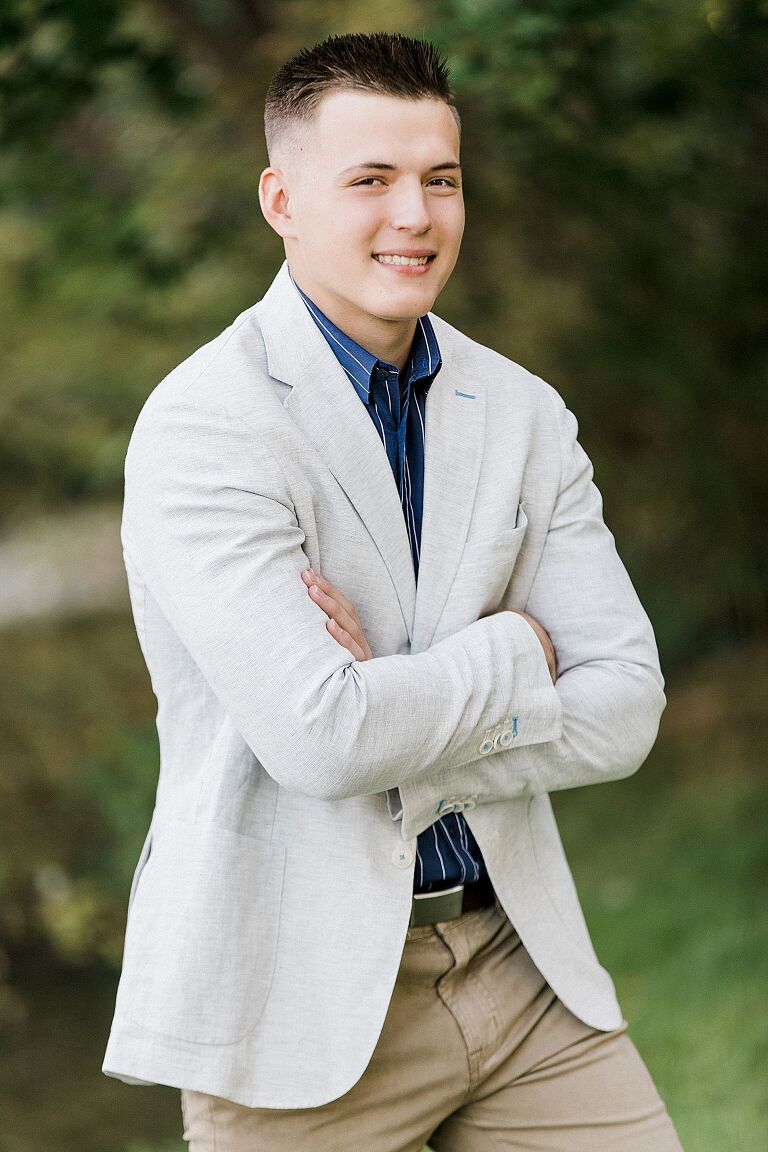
(381,167)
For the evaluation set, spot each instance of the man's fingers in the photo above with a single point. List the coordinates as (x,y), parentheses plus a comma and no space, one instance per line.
(343,623)
(334,609)
(312,577)
(345,639)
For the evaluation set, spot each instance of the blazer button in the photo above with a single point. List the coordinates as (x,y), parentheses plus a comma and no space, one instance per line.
(486,746)
(403,857)
(506,738)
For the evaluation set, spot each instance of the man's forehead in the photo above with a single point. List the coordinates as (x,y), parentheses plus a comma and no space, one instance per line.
(362,113)
(369,130)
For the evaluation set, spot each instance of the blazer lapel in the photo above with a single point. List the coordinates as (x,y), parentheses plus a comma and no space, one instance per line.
(455,436)
(325,405)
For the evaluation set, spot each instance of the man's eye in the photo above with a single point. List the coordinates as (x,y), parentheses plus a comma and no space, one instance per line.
(444,181)
(369,180)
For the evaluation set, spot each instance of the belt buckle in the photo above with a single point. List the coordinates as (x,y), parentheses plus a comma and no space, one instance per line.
(429,907)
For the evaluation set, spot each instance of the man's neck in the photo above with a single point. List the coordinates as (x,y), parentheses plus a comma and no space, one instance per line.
(388,340)
(391,348)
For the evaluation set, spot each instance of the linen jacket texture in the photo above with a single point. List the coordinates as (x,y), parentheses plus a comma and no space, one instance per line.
(270,902)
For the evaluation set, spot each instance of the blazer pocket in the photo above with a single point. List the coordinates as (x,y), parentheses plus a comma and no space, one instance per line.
(497,553)
(490,538)
(201,936)
(484,572)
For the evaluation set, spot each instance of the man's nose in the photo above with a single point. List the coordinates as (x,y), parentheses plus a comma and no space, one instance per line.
(410,209)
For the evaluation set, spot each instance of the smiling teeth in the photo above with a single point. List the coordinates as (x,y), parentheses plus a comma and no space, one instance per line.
(414,260)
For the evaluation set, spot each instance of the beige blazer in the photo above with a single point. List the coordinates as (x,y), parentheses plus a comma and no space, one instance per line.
(270,904)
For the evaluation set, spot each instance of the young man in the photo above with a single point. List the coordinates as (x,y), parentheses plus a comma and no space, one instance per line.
(383,618)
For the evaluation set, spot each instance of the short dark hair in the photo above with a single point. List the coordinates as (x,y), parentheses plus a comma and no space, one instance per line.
(383,62)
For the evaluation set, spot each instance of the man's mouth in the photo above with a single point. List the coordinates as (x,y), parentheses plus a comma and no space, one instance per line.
(411,261)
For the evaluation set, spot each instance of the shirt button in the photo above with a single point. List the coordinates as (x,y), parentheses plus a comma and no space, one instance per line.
(403,857)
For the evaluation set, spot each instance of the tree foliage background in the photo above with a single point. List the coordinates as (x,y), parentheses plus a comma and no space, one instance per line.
(616,167)
(615,160)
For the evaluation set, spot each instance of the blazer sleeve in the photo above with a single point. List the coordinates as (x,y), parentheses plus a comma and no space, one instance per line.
(209,525)
(609,682)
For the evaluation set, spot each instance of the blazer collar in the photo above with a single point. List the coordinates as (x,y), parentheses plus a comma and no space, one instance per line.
(324,404)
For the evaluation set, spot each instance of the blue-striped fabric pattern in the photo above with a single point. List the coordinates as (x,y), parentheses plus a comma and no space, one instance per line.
(446,852)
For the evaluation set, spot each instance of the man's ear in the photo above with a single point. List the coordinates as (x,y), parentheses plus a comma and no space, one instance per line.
(275,201)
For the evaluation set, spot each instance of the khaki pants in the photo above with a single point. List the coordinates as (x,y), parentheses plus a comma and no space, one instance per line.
(477,1054)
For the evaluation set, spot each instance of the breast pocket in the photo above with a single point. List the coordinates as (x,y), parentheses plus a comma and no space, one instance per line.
(503,540)
(486,567)
(201,937)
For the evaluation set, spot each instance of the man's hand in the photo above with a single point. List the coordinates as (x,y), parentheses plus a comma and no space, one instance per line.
(345,627)
(342,623)
(544,640)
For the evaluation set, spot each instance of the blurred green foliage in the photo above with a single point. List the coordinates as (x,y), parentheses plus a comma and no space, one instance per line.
(618,149)
(616,243)
(78,780)
(615,167)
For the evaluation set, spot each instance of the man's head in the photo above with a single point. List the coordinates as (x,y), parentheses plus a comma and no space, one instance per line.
(363,145)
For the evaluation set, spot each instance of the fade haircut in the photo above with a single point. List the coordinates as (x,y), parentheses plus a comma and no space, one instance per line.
(382,62)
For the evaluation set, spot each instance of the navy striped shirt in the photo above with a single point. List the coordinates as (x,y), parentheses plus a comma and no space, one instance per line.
(446,852)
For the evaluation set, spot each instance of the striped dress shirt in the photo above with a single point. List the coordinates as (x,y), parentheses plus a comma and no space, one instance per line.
(446,852)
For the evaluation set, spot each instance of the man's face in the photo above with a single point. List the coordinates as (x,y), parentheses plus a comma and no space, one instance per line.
(374,179)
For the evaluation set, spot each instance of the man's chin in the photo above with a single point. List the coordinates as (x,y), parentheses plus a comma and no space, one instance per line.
(403,306)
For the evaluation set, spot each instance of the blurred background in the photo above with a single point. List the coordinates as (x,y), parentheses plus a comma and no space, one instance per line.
(616,166)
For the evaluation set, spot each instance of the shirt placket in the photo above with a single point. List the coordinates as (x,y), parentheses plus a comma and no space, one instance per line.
(402,450)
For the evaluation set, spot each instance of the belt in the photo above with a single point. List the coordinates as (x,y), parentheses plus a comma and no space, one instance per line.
(430,907)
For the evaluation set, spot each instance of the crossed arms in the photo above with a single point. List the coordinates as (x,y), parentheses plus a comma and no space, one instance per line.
(210,526)
(344,625)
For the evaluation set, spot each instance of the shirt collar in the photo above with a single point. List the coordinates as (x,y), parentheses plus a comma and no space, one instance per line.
(362,367)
